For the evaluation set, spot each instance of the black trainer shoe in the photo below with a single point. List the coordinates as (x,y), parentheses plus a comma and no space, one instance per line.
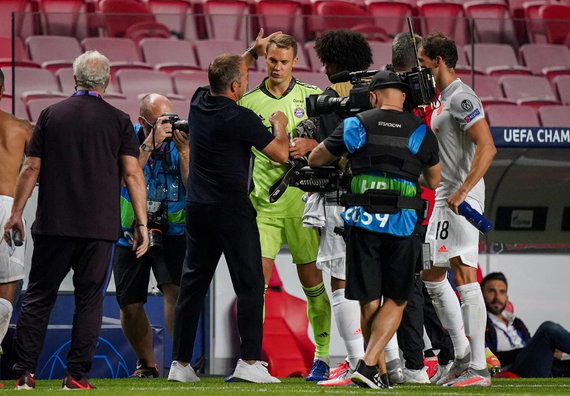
(143,371)
(70,383)
(368,377)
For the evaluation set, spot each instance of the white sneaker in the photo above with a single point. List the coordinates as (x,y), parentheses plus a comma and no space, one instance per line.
(416,376)
(182,373)
(256,372)
(457,368)
(395,371)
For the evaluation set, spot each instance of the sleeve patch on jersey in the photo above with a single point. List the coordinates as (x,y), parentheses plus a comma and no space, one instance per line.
(467,105)
(472,115)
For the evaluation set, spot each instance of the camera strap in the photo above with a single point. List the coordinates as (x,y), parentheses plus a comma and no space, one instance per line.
(278,188)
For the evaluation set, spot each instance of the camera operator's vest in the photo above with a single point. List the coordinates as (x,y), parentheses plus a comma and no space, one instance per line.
(386,151)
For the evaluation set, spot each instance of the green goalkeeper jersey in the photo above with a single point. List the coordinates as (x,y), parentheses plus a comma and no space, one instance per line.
(266,172)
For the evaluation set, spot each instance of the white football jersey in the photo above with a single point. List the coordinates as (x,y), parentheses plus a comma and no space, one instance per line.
(459,109)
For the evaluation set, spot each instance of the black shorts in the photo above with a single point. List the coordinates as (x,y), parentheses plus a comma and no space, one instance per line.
(379,265)
(132,275)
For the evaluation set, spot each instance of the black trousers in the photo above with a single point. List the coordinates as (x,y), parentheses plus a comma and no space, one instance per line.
(211,231)
(52,259)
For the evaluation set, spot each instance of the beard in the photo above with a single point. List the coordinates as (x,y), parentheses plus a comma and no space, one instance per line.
(496,308)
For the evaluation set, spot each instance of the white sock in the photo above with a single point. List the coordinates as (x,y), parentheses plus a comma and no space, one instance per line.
(448,311)
(347,317)
(427,341)
(475,319)
(391,349)
(5,316)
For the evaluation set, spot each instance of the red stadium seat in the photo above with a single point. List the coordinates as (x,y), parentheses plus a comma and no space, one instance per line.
(381,55)
(562,84)
(446,17)
(537,57)
(494,59)
(486,87)
(315,62)
(225,19)
(533,22)
(133,83)
(283,15)
(207,50)
(390,15)
(40,82)
(493,22)
(528,90)
(122,14)
(22,59)
(169,55)
(186,82)
(177,15)
(556,19)
(130,106)
(555,116)
(25,24)
(254,78)
(53,52)
(333,15)
(65,17)
(511,115)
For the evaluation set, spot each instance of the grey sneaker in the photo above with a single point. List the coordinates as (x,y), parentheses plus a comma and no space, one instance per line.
(455,370)
(395,371)
(472,377)
(416,376)
(256,372)
(181,373)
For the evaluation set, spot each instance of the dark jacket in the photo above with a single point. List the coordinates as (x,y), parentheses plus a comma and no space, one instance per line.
(505,357)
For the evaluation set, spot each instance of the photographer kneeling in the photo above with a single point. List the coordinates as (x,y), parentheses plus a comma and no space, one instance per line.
(164,157)
(388,149)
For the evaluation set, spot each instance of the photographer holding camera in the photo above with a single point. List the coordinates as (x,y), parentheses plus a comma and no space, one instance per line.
(388,150)
(164,157)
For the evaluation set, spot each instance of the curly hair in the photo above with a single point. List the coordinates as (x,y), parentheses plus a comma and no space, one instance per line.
(346,49)
(438,44)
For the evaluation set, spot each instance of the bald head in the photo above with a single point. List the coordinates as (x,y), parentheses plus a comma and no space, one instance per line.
(153,106)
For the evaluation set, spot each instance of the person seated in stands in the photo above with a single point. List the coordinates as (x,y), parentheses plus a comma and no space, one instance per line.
(510,340)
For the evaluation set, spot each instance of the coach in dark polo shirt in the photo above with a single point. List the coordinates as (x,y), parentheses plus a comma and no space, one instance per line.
(219,215)
(83,147)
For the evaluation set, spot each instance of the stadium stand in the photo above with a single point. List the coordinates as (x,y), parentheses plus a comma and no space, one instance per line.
(390,15)
(134,83)
(177,15)
(206,50)
(21,56)
(186,82)
(555,18)
(554,116)
(35,106)
(168,55)
(448,17)
(492,21)
(226,20)
(562,84)
(494,59)
(280,15)
(53,52)
(529,90)
(537,57)
(31,82)
(510,115)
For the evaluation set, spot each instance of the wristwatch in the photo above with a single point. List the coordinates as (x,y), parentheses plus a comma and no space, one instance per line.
(146,148)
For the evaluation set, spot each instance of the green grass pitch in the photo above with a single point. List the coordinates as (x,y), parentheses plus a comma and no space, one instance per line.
(216,386)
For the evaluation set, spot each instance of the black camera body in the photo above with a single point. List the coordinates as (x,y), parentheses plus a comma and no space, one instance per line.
(421,83)
(357,101)
(176,122)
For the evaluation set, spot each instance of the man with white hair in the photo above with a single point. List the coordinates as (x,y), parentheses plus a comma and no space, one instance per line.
(84,148)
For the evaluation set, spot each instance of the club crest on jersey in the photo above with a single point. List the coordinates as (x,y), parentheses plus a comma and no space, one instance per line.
(299,112)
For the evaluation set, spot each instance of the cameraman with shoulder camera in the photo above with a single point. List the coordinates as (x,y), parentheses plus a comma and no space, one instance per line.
(339,50)
(164,157)
(388,150)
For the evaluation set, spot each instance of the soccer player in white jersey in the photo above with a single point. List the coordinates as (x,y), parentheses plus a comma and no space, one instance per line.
(466,151)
